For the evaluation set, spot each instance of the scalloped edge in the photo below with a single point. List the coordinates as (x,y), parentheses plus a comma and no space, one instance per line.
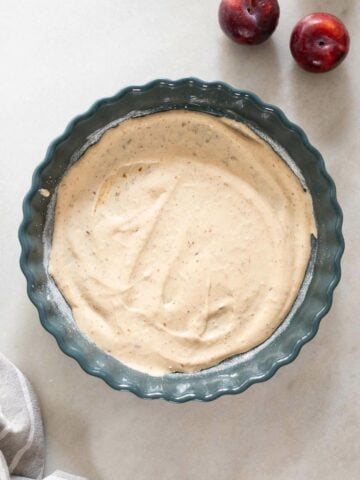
(76,354)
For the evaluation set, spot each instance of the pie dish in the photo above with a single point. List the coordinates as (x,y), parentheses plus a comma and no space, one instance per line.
(314,300)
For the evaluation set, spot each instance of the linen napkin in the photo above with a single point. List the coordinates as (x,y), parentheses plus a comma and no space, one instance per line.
(22,443)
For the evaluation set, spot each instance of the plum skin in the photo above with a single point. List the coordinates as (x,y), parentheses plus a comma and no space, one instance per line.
(319,42)
(249,22)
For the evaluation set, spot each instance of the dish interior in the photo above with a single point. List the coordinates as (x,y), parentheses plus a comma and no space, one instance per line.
(221,135)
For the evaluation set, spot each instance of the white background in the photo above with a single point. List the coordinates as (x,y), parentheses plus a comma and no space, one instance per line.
(56,58)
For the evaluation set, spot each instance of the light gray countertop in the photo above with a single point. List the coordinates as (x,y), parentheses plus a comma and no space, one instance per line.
(57,57)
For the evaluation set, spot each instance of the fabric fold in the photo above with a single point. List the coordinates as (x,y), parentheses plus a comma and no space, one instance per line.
(22,443)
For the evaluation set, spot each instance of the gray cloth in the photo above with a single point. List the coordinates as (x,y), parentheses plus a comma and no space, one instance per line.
(22,445)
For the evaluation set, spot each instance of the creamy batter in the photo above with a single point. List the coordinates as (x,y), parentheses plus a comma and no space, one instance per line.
(180,239)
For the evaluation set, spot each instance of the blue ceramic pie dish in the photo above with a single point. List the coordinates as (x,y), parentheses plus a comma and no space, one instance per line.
(314,300)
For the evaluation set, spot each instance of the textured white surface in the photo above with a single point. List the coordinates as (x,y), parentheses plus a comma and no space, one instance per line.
(57,57)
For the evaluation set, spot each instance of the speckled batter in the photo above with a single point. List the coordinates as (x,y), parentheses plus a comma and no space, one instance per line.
(180,239)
